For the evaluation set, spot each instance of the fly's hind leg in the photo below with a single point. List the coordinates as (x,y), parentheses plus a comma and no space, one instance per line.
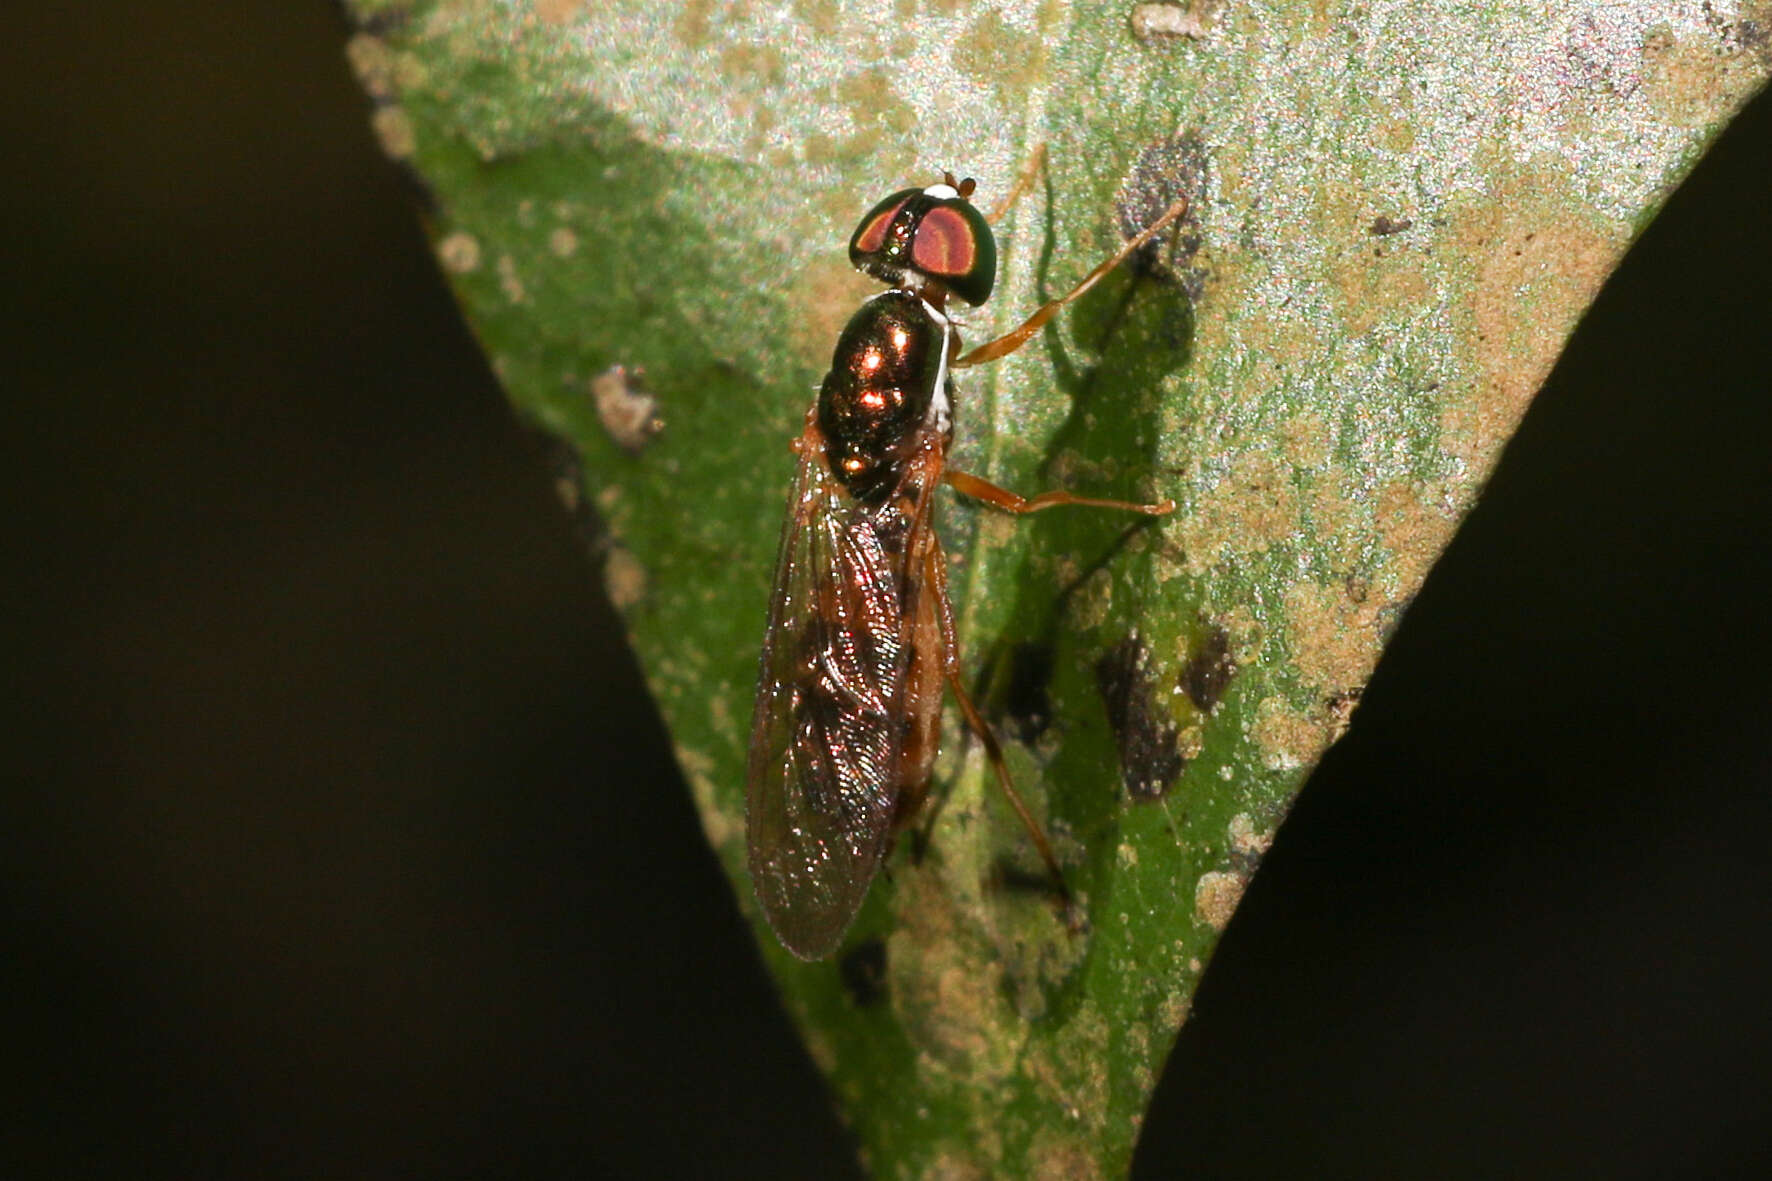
(950,655)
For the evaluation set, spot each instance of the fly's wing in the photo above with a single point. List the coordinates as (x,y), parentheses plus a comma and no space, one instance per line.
(829,721)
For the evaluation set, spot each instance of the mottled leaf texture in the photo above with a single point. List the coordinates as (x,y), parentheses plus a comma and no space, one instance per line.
(1400,212)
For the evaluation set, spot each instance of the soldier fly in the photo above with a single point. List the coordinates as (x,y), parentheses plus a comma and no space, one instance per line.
(861,631)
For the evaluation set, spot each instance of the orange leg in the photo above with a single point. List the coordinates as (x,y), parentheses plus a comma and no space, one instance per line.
(950,658)
(1014,339)
(1024,180)
(1010,502)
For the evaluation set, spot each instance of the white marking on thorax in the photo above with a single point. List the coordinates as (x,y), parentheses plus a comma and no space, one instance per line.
(941,192)
(939,407)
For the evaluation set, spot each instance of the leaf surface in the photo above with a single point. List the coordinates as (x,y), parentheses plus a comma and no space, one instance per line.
(1401,211)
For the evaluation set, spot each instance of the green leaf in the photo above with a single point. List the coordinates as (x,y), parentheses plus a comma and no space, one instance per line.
(1401,211)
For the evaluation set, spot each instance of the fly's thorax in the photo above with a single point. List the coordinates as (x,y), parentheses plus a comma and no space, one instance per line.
(889,366)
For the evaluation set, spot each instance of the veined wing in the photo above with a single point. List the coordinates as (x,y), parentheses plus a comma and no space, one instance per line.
(829,722)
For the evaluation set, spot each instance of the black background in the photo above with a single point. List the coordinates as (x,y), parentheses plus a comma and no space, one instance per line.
(341,840)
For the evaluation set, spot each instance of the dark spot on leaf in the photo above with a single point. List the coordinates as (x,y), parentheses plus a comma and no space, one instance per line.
(1383,226)
(1027,702)
(381,21)
(1209,670)
(1340,708)
(566,467)
(1150,760)
(863,972)
(1164,172)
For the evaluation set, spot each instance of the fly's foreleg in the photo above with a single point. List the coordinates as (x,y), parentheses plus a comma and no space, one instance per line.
(1024,181)
(1022,333)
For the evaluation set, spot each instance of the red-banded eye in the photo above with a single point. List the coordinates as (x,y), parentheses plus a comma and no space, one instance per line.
(945,245)
(871,234)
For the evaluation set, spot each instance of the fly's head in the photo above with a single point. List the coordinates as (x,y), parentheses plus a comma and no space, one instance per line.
(929,239)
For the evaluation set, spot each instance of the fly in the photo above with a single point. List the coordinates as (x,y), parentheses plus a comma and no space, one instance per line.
(861,637)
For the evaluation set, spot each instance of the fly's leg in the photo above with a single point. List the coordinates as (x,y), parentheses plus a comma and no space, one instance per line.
(950,659)
(1024,180)
(1010,502)
(1015,338)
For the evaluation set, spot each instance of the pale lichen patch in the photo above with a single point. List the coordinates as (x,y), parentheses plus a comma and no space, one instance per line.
(372,62)
(761,64)
(1334,634)
(995,531)
(1155,22)
(1246,840)
(1010,60)
(459,253)
(819,1046)
(1381,285)
(1306,440)
(626,408)
(1414,521)
(1190,741)
(1693,81)
(720,713)
(1092,604)
(1540,258)
(950,1017)
(1071,1074)
(1057,1156)
(694,23)
(1252,509)
(509,282)
(820,16)
(1216,895)
(720,827)
(570,492)
(557,12)
(1174,1008)
(1286,737)
(874,105)
(945,989)
(393,130)
(1340,527)
(624,578)
(954,1164)
(824,295)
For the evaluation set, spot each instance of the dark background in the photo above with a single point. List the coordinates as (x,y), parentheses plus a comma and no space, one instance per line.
(340,839)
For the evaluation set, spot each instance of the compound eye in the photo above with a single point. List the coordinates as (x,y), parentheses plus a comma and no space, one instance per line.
(870,235)
(945,245)
(954,245)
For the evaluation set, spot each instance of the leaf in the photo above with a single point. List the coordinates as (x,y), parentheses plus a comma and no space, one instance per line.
(1401,211)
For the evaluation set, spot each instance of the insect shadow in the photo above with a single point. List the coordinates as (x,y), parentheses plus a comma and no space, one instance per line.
(1133,331)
